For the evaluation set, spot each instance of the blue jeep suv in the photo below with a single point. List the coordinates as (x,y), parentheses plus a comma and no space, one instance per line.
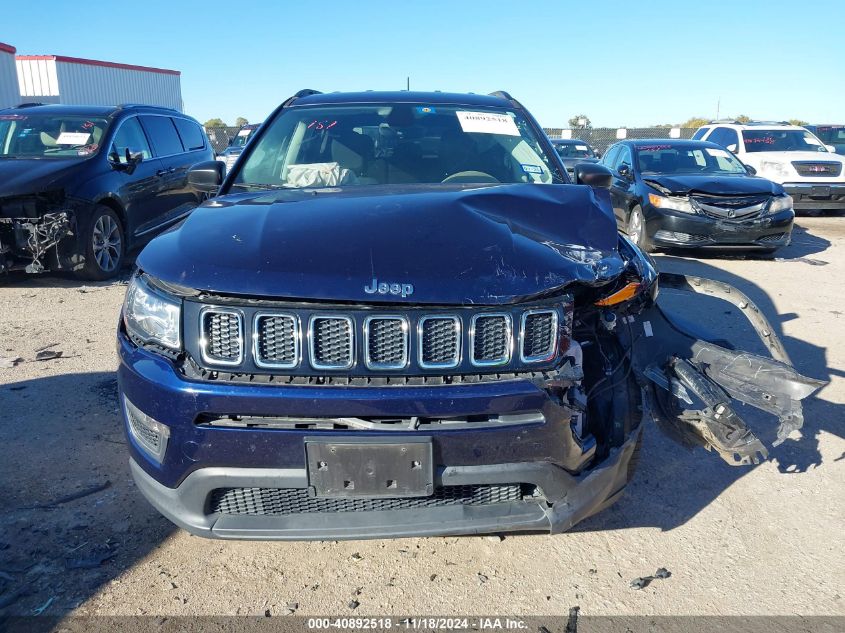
(399,317)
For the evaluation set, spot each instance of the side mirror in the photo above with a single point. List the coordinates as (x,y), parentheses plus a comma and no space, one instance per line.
(207,176)
(130,162)
(593,174)
(731,147)
(831,149)
(624,171)
(751,170)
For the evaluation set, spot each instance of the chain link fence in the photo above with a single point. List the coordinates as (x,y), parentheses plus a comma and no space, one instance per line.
(220,137)
(600,138)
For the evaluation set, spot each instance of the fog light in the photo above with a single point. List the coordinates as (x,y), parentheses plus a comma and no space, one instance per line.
(150,434)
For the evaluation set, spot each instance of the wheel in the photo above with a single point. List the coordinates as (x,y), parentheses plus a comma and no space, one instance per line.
(637,230)
(104,245)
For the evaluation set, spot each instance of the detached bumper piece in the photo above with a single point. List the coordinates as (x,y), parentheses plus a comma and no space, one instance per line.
(31,239)
(692,383)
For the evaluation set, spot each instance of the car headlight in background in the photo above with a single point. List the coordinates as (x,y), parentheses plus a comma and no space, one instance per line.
(781,203)
(671,202)
(773,170)
(152,316)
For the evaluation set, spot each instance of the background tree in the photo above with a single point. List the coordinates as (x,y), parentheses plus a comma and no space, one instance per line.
(215,123)
(695,122)
(742,118)
(798,122)
(581,122)
(241,121)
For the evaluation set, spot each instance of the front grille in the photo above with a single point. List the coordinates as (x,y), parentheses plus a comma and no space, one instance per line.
(811,169)
(491,339)
(276,340)
(286,501)
(222,341)
(440,341)
(386,342)
(775,237)
(538,335)
(675,236)
(295,340)
(332,342)
(731,207)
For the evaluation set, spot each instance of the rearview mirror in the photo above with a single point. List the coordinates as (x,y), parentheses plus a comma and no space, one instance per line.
(207,176)
(593,174)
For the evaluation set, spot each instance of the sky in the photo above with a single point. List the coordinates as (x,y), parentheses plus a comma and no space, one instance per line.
(621,63)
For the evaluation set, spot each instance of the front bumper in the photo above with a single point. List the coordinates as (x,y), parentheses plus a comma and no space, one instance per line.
(684,230)
(576,499)
(544,456)
(816,196)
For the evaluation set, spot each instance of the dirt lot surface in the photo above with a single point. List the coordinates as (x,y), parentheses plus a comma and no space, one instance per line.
(762,540)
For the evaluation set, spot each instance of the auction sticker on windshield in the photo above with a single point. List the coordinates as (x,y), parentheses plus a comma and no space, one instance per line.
(73,138)
(487,123)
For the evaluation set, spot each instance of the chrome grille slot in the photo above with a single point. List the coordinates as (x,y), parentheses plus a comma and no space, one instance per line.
(222,341)
(386,342)
(439,341)
(491,339)
(331,342)
(276,340)
(810,168)
(538,335)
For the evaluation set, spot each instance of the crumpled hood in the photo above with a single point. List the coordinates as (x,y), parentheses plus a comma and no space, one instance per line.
(455,245)
(715,185)
(19,176)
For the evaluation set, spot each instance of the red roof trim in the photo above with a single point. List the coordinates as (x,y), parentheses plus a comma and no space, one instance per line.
(7,48)
(95,62)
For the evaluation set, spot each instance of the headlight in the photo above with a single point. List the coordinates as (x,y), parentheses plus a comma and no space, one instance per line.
(151,315)
(671,202)
(781,203)
(774,170)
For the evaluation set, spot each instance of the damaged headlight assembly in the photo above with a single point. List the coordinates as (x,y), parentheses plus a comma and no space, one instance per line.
(781,203)
(673,203)
(152,316)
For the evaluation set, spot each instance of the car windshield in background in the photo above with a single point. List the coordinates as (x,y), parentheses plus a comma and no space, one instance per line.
(395,144)
(574,150)
(781,141)
(832,134)
(50,136)
(241,138)
(667,159)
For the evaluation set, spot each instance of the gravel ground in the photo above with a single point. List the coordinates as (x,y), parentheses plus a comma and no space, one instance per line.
(763,540)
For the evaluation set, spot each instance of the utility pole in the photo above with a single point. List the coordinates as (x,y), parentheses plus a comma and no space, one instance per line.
(718,103)
(408,84)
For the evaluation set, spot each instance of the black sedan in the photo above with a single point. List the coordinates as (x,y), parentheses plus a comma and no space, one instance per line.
(573,151)
(694,194)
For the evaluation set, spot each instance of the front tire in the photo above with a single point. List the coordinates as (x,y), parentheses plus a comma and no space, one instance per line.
(636,230)
(105,245)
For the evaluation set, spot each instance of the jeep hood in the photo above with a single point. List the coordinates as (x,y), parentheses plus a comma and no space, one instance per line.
(713,185)
(456,245)
(22,176)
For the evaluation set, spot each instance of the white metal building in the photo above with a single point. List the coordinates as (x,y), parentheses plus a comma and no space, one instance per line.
(9,94)
(75,81)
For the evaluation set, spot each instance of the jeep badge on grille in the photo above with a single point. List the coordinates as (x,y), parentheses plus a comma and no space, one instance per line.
(384,288)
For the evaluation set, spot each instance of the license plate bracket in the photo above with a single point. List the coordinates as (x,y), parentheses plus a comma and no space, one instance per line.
(820,191)
(342,468)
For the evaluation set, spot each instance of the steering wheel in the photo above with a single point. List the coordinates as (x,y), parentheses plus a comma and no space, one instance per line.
(470,176)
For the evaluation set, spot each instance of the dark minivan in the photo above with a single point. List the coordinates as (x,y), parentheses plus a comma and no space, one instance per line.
(80,185)
(694,194)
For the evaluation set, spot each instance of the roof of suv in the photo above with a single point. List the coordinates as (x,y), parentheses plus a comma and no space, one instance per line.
(404,96)
(90,110)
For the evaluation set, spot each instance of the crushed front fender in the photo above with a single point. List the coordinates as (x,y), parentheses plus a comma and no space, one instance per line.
(691,384)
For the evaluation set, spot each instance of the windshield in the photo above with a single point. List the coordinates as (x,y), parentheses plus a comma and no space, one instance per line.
(781,141)
(832,134)
(50,135)
(666,159)
(574,150)
(242,137)
(395,144)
